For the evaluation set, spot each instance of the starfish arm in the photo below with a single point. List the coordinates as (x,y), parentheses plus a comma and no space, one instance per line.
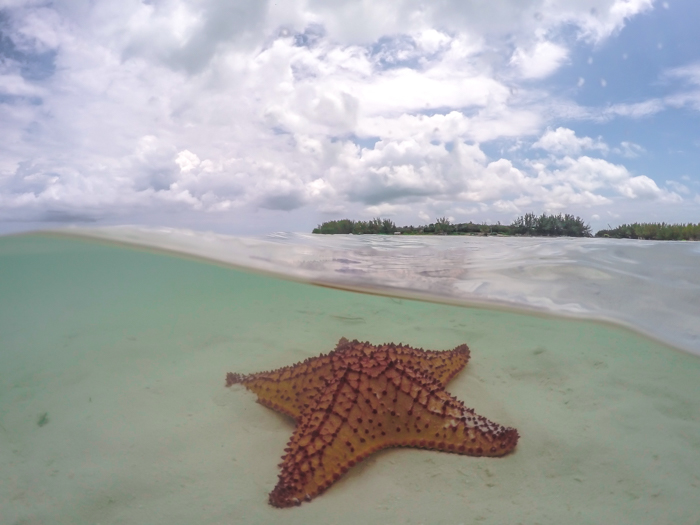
(374,404)
(442,365)
(428,417)
(290,389)
(320,449)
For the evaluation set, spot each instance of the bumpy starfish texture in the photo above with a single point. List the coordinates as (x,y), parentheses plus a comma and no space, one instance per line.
(362,398)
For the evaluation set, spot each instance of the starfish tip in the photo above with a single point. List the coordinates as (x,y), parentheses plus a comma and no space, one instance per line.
(233,379)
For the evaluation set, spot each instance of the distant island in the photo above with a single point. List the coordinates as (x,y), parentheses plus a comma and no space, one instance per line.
(654,231)
(562,225)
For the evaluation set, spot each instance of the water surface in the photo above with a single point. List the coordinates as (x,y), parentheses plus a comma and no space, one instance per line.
(652,287)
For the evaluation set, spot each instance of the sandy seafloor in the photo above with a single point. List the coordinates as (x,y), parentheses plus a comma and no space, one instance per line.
(113,407)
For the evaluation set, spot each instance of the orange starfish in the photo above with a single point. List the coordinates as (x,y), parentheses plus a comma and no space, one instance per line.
(362,398)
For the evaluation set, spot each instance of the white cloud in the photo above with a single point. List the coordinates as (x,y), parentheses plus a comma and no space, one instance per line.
(591,174)
(634,110)
(432,41)
(629,149)
(678,187)
(482,127)
(187,161)
(411,171)
(690,96)
(565,141)
(540,61)
(642,187)
(690,73)
(358,22)
(14,85)
(606,18)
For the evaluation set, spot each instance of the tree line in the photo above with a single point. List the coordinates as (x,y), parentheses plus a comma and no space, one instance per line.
(654,231)
(528,224)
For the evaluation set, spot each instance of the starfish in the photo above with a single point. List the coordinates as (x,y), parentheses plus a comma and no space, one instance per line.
(361,398)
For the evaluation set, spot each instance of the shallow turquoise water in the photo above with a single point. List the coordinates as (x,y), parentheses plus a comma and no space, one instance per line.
(113,409)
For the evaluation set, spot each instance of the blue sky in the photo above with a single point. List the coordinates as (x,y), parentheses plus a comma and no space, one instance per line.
(246,116)
(635,65)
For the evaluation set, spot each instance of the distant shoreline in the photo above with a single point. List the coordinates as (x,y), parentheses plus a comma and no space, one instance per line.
(529,225)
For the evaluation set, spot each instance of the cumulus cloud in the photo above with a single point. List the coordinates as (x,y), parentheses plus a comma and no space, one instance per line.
(540,61)
(589,175)
(565,141)
(606,19)
(411,171)
(362,22)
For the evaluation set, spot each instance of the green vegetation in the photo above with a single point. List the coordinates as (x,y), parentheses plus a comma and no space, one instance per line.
(529,224)
(551,225)
(654,231)
(375,226)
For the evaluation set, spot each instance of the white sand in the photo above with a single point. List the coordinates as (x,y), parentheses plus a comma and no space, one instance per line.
(126,352)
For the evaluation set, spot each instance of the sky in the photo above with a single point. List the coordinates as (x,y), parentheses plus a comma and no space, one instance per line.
(255,116)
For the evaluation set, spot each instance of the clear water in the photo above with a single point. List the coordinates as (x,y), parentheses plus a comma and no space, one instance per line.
(652,287)
(113,407)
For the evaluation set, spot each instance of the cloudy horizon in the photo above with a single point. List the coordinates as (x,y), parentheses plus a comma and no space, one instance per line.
(249,116)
